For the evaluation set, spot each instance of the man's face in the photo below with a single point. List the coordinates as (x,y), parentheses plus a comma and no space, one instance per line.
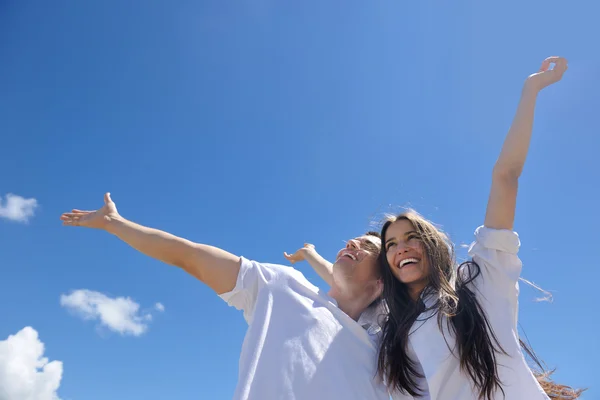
(357,263)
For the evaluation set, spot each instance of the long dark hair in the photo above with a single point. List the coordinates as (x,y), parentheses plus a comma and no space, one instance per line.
(455,304)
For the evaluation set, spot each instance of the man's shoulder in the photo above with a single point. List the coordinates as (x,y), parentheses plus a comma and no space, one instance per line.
(282,272)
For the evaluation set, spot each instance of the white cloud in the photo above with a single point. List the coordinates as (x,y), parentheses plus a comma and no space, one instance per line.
(159,307)
(17,208)
(119,314)
(24,373)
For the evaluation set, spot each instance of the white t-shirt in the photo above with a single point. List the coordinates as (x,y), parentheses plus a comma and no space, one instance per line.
(299,344)
(497,290)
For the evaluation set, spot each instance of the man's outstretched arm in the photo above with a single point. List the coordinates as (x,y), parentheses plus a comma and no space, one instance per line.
(215,267)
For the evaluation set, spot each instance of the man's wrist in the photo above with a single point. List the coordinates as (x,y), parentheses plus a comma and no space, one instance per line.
(113,223)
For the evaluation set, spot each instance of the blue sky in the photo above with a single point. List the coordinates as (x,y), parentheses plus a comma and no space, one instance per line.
(256,126)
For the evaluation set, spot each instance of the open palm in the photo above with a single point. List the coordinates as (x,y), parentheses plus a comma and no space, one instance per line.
(299,255)
(92,219)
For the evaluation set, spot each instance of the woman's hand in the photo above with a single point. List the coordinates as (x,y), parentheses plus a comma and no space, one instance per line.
(546,76)
(300,254)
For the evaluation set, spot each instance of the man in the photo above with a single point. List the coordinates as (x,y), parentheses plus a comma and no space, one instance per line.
(301,343)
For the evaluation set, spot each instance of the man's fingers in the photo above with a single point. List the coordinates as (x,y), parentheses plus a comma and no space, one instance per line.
(107,198)
(73,215)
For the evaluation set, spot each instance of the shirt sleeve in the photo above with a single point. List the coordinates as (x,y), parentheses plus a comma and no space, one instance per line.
(251,278)
(497,286)
(495,251)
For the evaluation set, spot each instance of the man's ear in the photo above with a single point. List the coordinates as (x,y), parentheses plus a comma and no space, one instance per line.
(379,286)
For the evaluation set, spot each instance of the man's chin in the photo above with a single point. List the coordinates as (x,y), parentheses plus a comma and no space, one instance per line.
(345,262)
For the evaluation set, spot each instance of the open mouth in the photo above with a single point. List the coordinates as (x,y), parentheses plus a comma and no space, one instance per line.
(350,256)
(407,261)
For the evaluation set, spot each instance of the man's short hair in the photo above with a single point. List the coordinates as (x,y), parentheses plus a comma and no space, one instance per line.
(373,233)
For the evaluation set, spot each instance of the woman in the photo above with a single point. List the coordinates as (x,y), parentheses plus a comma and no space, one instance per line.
(451,333)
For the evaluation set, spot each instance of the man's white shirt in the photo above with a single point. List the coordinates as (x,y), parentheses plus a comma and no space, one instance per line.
(299,344)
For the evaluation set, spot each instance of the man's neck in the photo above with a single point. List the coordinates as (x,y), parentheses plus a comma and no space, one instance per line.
(352,301)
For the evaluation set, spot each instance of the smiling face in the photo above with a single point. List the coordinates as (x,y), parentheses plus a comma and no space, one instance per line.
(357,262)
(405,254)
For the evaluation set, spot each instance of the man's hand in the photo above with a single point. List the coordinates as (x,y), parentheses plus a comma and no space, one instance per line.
(546,76)
(301,254)
(98,219)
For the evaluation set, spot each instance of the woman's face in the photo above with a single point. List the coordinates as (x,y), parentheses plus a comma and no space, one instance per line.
(406,256)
